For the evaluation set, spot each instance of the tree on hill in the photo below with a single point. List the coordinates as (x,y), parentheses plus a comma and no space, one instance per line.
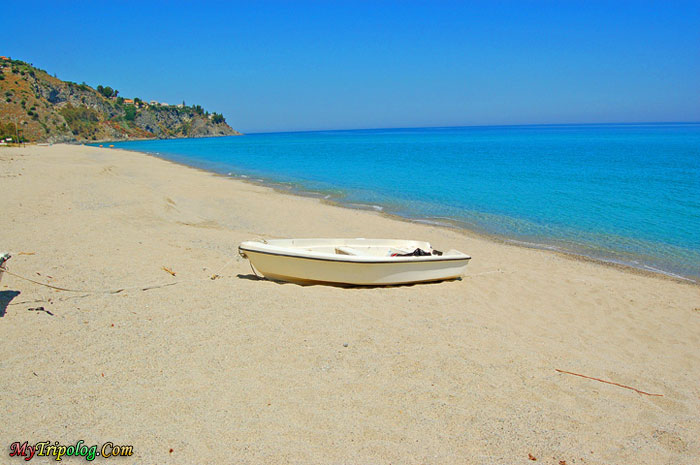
(107,91)
(8,130)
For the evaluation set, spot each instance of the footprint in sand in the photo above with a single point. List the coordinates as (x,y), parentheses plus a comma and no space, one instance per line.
(670,441)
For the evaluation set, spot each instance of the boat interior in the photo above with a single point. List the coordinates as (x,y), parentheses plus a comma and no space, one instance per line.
(356,247)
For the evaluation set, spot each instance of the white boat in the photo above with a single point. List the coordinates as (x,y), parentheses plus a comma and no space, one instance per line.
(368,262)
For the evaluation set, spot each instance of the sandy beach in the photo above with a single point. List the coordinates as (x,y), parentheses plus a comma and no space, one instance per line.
(240,370)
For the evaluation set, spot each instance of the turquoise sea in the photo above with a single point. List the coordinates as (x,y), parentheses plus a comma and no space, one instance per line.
(625,193)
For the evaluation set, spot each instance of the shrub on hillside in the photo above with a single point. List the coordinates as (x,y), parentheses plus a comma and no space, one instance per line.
(7,130)
(129,112)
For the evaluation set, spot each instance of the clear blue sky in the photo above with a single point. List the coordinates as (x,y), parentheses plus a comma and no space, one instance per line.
(275,66)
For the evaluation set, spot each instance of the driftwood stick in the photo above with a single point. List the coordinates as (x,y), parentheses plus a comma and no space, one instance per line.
(610,382)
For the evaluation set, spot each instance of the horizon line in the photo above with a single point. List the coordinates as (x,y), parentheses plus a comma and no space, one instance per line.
(628,123)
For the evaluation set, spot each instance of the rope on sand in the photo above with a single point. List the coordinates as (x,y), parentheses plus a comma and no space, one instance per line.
(119,290)
(90,291)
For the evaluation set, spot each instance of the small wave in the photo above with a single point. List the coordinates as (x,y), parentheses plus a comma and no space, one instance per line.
(668,273)
(365,206)
(431,222)
(536,245)
(633,263)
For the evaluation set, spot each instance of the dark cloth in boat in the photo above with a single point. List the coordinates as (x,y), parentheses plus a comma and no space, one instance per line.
(417,253)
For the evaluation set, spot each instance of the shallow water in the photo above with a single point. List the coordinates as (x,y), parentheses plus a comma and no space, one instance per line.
(624,193)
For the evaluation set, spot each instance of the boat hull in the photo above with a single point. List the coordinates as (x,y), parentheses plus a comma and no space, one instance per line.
(300,269)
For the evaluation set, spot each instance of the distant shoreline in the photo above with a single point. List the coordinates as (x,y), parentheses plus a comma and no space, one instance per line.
(93,143)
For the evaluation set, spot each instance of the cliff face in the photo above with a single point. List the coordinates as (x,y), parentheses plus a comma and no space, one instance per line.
(42,108)
(165,122)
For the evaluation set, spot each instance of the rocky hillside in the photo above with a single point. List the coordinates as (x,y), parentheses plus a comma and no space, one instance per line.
(42,108)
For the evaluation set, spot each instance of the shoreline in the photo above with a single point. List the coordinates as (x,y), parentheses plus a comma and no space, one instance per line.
(452,224)
(89,143)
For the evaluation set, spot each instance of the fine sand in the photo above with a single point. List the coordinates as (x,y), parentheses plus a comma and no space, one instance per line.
(240,370)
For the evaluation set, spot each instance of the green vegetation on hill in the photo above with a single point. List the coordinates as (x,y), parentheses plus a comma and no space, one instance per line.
(130,113)
(41,107)
(107,91)
(81,120)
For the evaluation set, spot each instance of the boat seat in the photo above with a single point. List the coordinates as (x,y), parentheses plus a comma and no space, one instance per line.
(342,250)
